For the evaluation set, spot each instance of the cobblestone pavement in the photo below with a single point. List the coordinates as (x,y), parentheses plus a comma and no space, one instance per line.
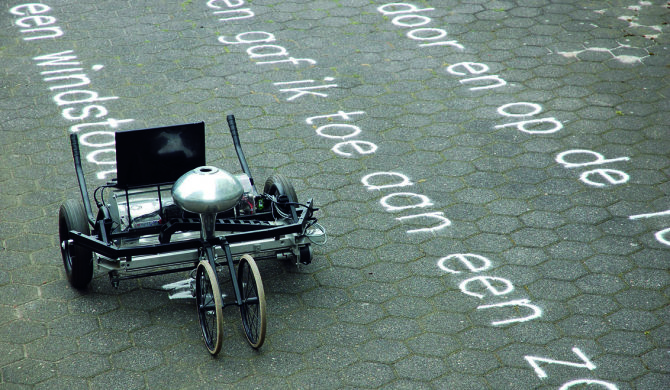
(493,176)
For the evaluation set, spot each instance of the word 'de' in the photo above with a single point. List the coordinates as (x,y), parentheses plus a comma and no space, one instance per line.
(570,159)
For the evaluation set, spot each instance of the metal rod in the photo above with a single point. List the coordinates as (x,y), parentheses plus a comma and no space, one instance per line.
(229,257)
(153,273)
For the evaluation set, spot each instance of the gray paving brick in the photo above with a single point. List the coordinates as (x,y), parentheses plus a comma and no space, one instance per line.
(472,362)
(510,378)
(367,374)
(591,303)
(630,319)
(28,372)
(118,380)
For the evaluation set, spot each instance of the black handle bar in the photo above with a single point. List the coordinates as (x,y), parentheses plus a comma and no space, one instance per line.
(74,142)
(238,148)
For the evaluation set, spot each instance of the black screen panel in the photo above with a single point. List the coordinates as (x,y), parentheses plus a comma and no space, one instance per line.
(158,155)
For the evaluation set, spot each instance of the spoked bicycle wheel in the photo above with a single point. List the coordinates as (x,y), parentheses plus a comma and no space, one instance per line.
(210,306)
(252,308)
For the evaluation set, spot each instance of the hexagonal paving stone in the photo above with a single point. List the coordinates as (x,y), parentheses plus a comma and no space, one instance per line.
(625,343)
(408,307)
(295,340)
(27,372)
(512,378)
(600,284)
(382,351)
(584,326)
(105,341)
(534,237)
(22,331)
(641,299)
(93,304)
(43,310)
(156,336)
(84,365)
(629,319)
(14,352)
(137,359)
(472,362)
(538,333)
(367,374)
(420,368)
(121,378)
(480,338)
(564,269)
(62,383)
(396,328)
(16,294)
(593,304)
(52,349)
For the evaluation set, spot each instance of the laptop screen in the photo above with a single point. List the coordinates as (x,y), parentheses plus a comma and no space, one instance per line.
(158,155)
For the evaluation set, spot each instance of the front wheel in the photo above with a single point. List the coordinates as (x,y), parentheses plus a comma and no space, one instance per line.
(77,260)
(252,308)
(210,306)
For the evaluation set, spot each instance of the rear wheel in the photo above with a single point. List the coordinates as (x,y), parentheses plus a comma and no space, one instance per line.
(77,260)
(279,186)
(305,254)
(252,309)
(210,306)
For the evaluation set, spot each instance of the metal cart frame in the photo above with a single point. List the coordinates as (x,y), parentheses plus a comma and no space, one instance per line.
(271,224)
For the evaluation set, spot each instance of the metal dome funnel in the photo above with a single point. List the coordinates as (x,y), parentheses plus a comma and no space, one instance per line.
(207,191)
